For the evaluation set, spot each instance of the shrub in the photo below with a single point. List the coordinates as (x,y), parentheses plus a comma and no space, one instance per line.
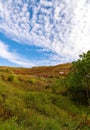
(79,80)
(32,80)
(11,78)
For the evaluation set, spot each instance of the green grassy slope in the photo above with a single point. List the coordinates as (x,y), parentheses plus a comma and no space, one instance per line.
(36,99)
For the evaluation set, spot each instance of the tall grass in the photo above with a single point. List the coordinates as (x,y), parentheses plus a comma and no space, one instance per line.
(36,103)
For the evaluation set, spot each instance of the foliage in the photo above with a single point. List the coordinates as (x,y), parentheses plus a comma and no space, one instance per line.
(32,80)
(79,80)
(11,78)
(37,102)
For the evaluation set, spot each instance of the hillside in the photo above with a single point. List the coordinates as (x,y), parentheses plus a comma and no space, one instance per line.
(37,99)
(43,71)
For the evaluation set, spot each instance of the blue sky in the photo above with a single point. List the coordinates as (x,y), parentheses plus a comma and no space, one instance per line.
(43,32)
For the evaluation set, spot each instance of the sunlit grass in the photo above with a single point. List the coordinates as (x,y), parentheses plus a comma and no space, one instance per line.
(38,103)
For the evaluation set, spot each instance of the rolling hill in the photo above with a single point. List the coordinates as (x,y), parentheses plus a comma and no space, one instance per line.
(37,99)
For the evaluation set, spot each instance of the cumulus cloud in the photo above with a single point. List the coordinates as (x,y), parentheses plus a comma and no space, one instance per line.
(61,26)
(12,56)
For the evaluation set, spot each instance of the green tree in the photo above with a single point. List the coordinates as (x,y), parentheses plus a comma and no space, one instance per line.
(79,78)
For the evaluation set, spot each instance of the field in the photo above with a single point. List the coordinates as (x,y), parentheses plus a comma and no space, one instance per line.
(38,99)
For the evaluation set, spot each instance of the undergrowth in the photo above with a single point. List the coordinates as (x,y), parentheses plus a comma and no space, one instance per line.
(38,103)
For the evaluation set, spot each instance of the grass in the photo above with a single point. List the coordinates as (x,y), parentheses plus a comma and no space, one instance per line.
(29,102)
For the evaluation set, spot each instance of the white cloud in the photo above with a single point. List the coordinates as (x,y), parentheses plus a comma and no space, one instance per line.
(61,26)
(15,58)
(12,56)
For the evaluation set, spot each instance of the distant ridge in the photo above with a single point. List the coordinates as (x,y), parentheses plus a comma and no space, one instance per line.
(42,71)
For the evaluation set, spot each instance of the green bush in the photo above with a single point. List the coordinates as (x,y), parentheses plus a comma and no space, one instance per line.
(11,78)
(32,80)
(79,80)
(10,125)
(59,86)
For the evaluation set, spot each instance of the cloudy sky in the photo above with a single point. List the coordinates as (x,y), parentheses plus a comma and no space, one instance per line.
(43,32)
